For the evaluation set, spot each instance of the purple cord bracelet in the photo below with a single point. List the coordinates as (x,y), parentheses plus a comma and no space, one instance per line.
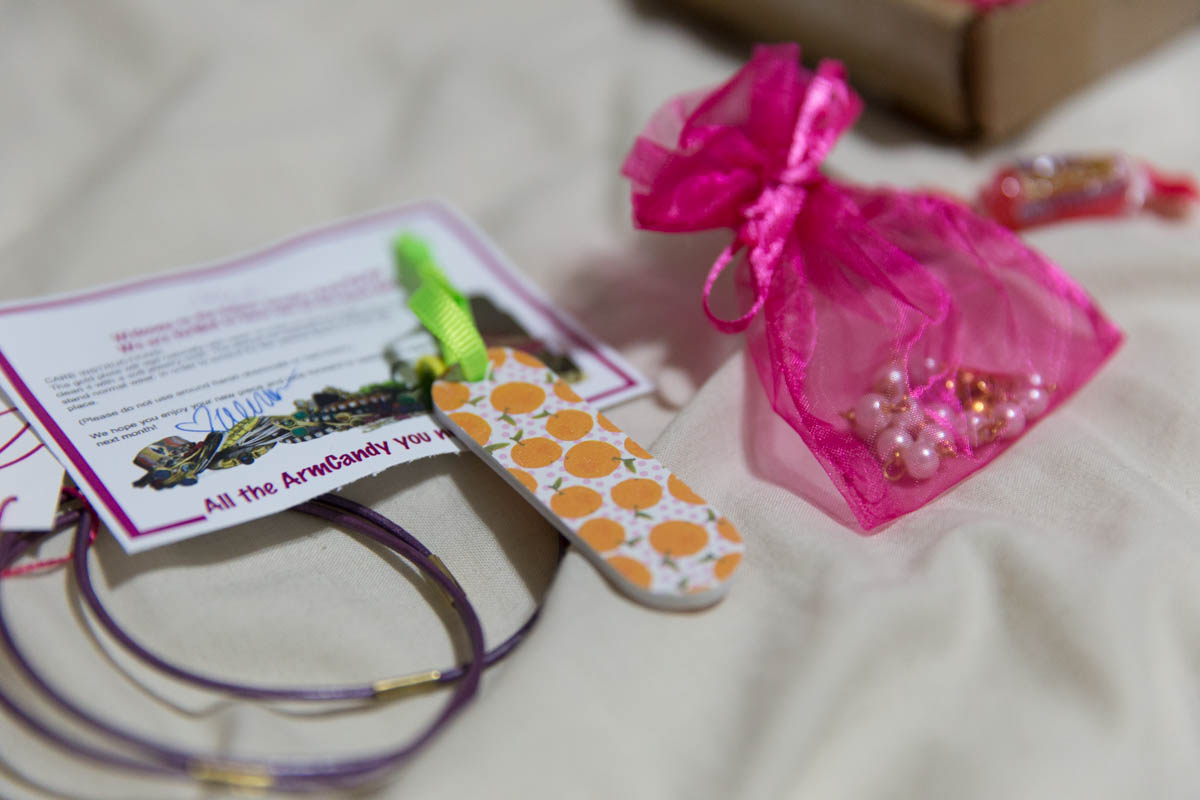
(158,759)
(376,689)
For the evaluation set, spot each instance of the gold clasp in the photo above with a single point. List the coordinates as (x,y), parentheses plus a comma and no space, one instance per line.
(238,776)
(388,685)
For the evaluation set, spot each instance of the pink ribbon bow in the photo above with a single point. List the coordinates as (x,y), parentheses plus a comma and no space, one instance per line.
(697,169)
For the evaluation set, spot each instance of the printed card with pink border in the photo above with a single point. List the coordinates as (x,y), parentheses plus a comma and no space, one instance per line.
(199,399)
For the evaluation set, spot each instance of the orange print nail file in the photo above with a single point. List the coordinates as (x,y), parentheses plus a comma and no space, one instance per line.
(653,537)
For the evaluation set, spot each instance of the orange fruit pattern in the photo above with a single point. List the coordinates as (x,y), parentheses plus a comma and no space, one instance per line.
(575,501)
(563,391)
(681,491)
(677,538)
(527,360)
(636,449)
(632,570)
(449,396)
(517,397)
(602,534)
(534,453)
(726,565)
(473,425)
(625,511)
(637,493)
(592,459)
(569,423)
(527,480)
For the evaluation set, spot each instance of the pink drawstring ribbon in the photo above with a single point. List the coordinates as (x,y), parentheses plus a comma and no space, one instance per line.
(726,176)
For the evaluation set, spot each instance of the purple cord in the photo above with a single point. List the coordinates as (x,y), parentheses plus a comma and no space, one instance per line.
(282,775)
(12,547)
(251,692)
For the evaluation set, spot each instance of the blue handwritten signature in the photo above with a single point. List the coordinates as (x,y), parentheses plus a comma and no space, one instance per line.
(222,418)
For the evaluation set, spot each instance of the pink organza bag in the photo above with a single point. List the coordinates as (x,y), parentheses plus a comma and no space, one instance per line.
(907,340)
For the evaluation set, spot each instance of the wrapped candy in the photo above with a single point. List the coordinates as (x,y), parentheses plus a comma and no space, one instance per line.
(907,340)
(1048,189)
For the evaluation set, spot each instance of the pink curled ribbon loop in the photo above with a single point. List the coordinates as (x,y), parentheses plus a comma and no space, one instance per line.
(694,170)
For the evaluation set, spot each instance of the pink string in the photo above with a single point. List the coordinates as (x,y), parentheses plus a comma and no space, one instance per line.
(36,566)
(20,432)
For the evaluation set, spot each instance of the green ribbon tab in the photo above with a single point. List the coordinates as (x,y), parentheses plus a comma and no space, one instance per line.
(440,307)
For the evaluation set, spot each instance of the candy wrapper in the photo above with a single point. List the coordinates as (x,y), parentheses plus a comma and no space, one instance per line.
(1049,189)
(906,339)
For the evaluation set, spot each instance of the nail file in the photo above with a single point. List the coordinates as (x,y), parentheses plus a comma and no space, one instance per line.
(655,539)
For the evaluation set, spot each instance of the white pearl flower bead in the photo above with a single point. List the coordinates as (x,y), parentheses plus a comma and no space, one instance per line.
(943,414)
(870,416)
(1011,418)
(935,436)
(891,440)
(921,461)
(977,429)
(1034,402)
(890,381)
(911,417)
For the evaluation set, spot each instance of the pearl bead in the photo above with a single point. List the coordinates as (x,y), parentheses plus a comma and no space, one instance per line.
(933,435)
(870,416)
(1034,402)
(890,381)
(912,417)
(1012,418)
(945,415)
(891,440)
(921,461)
(977,429)
(1036,379)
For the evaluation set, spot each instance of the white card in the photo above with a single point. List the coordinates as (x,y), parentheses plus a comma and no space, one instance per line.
(192,401)
(30,478)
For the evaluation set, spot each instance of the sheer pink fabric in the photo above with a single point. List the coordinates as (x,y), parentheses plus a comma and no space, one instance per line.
(848,285)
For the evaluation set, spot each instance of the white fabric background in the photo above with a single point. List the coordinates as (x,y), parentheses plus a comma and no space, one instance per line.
(1033,633)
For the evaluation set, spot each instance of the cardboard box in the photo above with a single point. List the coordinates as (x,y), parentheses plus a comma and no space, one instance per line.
(963,71)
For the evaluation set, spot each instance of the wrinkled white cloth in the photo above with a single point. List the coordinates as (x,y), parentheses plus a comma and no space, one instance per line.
(1033,633)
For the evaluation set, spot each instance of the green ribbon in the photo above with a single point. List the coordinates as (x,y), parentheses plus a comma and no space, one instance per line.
(440,307)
